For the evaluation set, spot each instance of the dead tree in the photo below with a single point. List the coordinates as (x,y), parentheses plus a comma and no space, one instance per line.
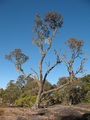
(44,32)
(75,47)
(18,58)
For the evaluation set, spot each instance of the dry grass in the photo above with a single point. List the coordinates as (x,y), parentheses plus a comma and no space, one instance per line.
(58,112)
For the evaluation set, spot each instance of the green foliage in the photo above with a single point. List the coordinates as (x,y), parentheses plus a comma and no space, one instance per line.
(47,86)
(86,78)
(87,97)
(1,93)
(51,99)
(25,101)
(73,93)
(31,87)
(11,93)
(62,81)
(23,94)
(86,84)
(76,95)
(55,97)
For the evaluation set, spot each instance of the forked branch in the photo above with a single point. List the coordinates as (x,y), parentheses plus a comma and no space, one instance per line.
(48,71)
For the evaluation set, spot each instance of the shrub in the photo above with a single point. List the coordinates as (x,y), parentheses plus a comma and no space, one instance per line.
(87,97)
(25,101)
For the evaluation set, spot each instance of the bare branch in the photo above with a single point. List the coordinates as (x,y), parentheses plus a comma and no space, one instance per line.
(35,73)
(35,78)
(28,76)
(81,66)
(48,64)
(50,40)
(48,71)
(55,89)
(67,60)
(64,61)
(35,43)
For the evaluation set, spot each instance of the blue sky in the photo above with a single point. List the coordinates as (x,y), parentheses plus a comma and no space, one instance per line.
(16,23)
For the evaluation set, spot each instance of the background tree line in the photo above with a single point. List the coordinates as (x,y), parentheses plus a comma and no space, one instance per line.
(23,93)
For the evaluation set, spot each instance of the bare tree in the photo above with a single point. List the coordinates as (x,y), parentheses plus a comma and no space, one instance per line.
(44,32)
(18,58)
(75,47)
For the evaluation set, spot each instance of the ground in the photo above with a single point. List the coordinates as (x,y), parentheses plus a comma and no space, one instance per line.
(57,112)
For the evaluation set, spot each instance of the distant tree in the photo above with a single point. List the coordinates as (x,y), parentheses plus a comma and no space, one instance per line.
(75,47)
(86,78)
(31,87)
(11,93)
(86,84)
(18,58)
(1,92)
(44,32)
(62,81)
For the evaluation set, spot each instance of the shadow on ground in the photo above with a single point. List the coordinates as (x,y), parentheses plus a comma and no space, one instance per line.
(73,117)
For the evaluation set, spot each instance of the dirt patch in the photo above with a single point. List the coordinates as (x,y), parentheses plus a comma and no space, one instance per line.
(1,112)
(58,112)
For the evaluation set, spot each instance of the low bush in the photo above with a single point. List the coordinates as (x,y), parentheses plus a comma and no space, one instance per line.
(26,101)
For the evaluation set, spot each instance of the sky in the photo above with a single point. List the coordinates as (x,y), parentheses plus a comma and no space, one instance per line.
(16,31)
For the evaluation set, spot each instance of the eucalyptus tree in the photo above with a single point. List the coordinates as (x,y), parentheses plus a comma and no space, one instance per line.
(76,53)
(18,58)
(44,32)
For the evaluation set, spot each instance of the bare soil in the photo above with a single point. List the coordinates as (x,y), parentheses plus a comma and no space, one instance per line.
(57,112)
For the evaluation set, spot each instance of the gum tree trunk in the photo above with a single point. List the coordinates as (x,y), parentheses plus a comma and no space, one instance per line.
(41,85)
(37,103)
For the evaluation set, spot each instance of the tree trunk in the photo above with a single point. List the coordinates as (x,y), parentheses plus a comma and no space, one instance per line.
(72,76)
(37,103)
